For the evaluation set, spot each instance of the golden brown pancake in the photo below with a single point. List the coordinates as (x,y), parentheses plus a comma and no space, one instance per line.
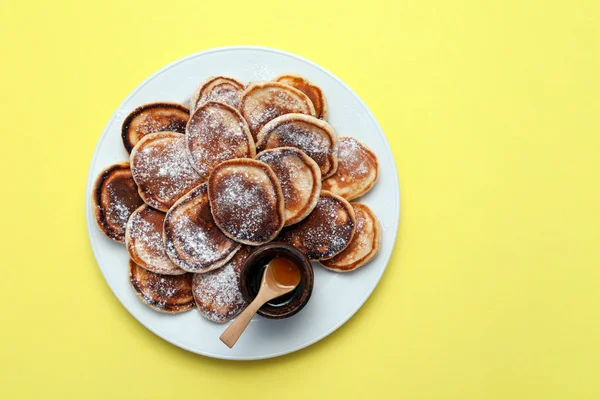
(161,169)
(263,101)
(218,88)
(217,293)
(311,135)
(246,201)
(314,93)
(300,179)
(357,171)
(193,241)
(153,117)
(163,293)
(365,244)
(326,231)
(144,241)
(115,197)
(217,132)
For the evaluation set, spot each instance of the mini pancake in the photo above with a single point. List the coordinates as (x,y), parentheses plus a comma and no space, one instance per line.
(326,231)
(115,197)
(161,169)
(218,88)
(300,179)
(263,101)
(314,93)
(311,135)
(357,171)
(144,241)
(153,117)
(193,241)
(217,132)
(365,244)
(246,201)
(163,293)
(217,293)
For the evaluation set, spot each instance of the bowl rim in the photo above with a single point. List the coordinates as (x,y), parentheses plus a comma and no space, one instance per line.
(306,270)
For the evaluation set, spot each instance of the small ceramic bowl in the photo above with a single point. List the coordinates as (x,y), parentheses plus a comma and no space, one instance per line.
(251,276)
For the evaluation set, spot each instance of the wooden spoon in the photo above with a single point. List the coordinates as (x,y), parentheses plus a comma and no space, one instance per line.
(281,276)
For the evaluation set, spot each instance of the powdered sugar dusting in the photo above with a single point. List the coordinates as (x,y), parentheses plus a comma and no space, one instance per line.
(117,199)
(296,178)
(353,161)
(155,122)
(362,248)
(145,241)
(223,92)
(357,170)
(217,293)
(119,211)
(265,103)
(245,203)
(324,233)
(333,228)
(171,293)
(161,169)
(194,242)
(311,139)
(215,135)
(146,234)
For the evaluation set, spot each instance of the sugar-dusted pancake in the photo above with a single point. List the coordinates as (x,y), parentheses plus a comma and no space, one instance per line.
(218,88)
(164,293)
(263,101)
(363,247)
(144,241)
(161,169)
(300,179)
(246,201)
(314,93)
(357,171)
(217,132)
(192,239)
(326,231)
(217,293)
(311,135)
(115,197)
(153,117)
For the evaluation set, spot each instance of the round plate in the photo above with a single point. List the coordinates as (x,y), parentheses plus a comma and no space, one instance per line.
(336,297)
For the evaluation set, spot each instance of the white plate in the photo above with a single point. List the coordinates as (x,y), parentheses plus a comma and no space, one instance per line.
(336,297)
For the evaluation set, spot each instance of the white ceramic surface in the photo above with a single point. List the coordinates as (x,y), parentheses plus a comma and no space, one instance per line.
(336,297)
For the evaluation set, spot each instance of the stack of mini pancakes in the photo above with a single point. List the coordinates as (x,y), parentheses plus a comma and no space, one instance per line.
(243,166)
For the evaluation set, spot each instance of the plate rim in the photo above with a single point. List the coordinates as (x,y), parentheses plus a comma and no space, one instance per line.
(91,220)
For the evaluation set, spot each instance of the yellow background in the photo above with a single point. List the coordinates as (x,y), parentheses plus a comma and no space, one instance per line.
(492,110)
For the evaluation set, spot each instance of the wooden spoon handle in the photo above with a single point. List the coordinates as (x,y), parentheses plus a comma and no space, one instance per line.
(235,330)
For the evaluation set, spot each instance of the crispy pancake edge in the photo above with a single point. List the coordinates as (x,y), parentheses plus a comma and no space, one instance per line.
(132,249)
(99,212)
(127,122)
(373,157)
(375,245)
(171,309)
(323,112)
